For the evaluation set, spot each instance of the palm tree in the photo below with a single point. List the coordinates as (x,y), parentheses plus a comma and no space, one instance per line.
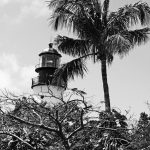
(100,34)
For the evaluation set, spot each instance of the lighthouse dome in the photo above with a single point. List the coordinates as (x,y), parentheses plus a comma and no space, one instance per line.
(50,50)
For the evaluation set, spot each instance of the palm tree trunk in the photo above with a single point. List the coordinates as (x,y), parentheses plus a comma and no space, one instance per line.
(105,85)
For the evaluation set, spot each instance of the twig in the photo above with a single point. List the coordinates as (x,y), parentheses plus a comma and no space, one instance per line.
(68,113)
(13,135)
(40,118)
(32,124)
(81,126)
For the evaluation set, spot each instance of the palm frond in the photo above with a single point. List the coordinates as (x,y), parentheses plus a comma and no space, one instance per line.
(69,70)
(60,18)
(86,30)
(115,24)
(130,15)
(121,43)
(55,3)
(110,58)
(94,7)
(96,16)
(76,15)
(144,12)
(118,44)
(64,11)
(105,11)
(84,21)
(97,6)
(138,36)
(73,47)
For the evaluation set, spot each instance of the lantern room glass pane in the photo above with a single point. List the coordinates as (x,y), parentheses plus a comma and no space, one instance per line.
(43,60)
(49,60)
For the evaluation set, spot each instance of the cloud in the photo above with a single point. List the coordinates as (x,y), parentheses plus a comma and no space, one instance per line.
(35,8)
(14,77)
(21,9)
(5,79)
(9,63)
(4,2)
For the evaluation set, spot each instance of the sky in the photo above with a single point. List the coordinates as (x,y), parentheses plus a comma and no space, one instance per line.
(25,31)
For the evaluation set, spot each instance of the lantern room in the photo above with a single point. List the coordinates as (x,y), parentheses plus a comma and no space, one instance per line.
(49,58)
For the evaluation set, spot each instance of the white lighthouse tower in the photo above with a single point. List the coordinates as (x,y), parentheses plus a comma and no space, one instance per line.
(42,85)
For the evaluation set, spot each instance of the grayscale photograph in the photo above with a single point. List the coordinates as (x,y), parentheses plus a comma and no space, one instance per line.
(75,75)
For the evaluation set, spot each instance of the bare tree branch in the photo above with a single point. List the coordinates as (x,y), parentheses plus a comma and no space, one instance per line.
(68,113)
(40,118)
(146,148)
(81,126)
(21,140)
(41,126)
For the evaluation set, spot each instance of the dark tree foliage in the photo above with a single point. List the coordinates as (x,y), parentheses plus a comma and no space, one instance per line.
(141,134)
(109,132)
(64,126)
(41,126)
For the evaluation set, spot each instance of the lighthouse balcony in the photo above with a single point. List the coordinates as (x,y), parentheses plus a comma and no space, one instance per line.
(42,66)
(45,81)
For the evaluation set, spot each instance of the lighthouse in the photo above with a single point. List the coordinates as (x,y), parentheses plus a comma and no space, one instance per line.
(43,86)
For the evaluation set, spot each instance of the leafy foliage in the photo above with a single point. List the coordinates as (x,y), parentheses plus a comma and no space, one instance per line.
(40,126)
(141,136)
(67,125)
